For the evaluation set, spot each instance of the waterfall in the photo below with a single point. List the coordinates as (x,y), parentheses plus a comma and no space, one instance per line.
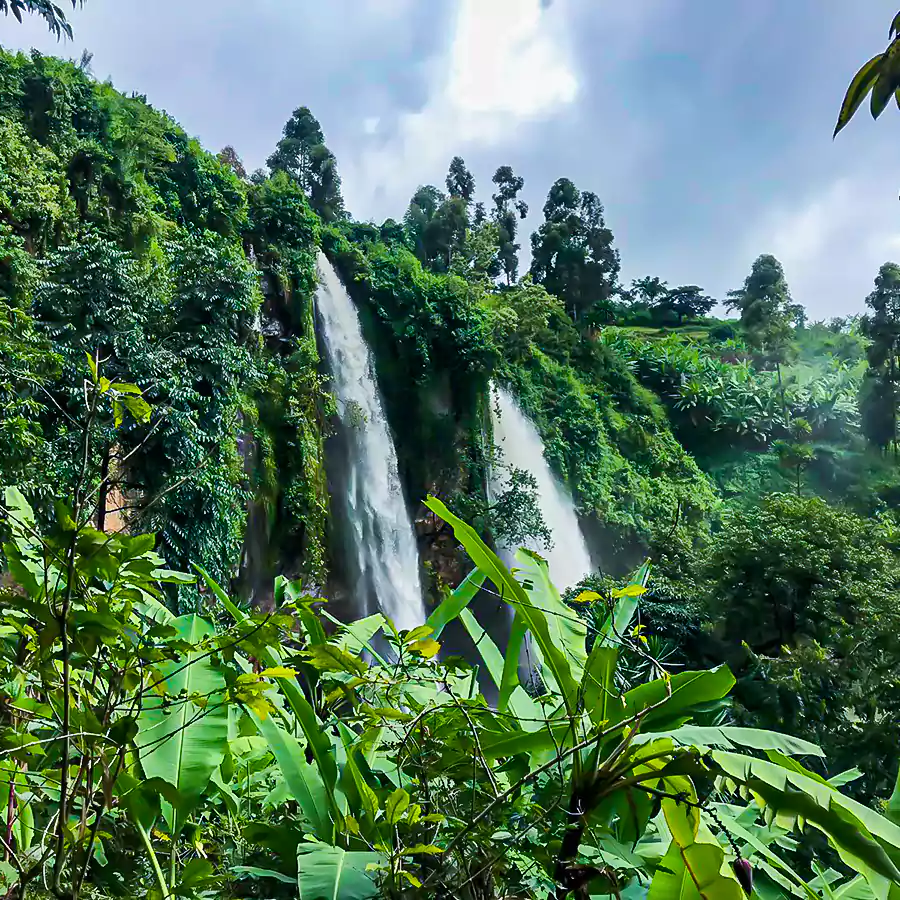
(382,546)
(521,447)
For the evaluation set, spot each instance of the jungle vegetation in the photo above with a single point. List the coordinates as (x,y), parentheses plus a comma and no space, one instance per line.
(715,713)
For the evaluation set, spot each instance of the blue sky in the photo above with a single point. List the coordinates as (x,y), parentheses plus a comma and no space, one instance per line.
(704,125)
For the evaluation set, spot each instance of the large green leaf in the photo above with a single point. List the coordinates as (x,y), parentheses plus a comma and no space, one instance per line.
(357,636)
(729,738)
(519,702)
(695,867)
(318,741)
(303,780)
(888,79)
(550,737)
(865,840)
(256,872)
(514,594)
(509,678)
(484,643)
(456,602)
(598,687)
(330,873)
(862,83)
(363,798)
(855,889)
(784,870)
(23,553)
(153,609)
(183,735)
(893,805)
(567,630)
(675,698)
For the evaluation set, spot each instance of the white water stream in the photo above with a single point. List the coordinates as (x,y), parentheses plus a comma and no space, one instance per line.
(382,545)
(520,444)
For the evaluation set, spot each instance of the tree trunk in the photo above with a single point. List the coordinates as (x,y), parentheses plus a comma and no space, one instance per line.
(893,400)
(781,390)
(103,493)
(568,852)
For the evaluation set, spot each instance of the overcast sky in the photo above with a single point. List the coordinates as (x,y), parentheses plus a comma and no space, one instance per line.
(703,125)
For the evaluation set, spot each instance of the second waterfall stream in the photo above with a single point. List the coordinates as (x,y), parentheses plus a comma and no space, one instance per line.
(381,546)
(522,448)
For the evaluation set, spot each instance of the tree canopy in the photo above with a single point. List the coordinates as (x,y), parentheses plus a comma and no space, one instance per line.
(508,211)
(302,153)
(572,252)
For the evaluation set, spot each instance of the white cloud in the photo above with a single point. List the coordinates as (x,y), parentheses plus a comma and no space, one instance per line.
(507,63)
(800,236)
(832,242)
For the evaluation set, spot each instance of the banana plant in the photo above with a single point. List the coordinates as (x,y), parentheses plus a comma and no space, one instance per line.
(631,764)
(398,778)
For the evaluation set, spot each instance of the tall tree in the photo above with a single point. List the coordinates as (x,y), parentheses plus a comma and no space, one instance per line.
(572,252)
(46,9)
(460,181)
(445,233)
(508,210)
(422,207)
(648,289)
(767,313)
(302,153)
(809,590)
(881,388)
(687,300)
(438,225)
(764,304)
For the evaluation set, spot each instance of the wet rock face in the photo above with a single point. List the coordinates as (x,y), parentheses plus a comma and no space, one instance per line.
(444,563)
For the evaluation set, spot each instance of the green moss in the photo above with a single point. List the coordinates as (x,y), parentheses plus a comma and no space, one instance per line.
(289,392)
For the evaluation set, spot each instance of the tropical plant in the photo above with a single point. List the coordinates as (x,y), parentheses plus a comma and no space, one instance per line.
(580,784)
(880,398)
(879,77)
(507,212)
(52,14)
(361,764)
(302,153)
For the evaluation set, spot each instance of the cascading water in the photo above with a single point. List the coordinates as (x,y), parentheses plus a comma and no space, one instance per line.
(382,546)
(521,446)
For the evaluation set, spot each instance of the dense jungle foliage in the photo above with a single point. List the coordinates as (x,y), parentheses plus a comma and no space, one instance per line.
(714,713)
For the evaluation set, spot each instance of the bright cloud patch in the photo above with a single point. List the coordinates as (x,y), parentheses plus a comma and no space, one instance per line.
(504,62)
(507,63)
(833,243)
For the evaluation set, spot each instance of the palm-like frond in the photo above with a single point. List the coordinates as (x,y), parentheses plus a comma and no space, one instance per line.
(52,14)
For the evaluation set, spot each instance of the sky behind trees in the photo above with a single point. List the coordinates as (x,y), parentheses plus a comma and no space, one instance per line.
(705,128)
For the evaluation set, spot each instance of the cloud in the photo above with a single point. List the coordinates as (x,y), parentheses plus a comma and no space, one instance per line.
(832,241)
(232,71)
(506,64)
